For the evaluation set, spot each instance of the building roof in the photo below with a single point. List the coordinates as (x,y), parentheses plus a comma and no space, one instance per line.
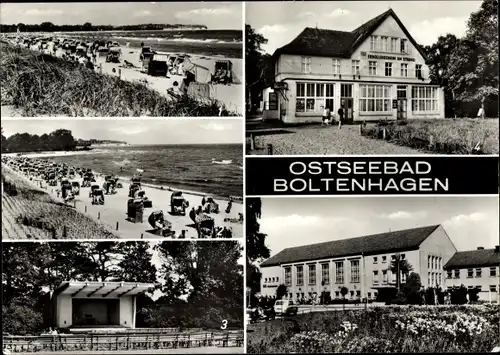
(102,289)
(408,239)
(473,258)
(331,43)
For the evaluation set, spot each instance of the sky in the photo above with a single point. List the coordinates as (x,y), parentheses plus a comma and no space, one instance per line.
(425,20)
(470,222)
(137,131)
(214,15)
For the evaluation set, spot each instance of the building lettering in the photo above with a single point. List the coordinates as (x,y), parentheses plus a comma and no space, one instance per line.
(389,57)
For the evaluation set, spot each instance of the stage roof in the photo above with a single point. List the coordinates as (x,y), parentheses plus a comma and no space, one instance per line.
(95,289)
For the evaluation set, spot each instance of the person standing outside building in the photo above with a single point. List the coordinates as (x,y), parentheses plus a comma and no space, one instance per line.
(324,121)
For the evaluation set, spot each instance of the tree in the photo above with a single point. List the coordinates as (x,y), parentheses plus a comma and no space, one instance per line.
(257,64)
(473,69)
(281,291)
(136,265)
(400,267)
(256,248)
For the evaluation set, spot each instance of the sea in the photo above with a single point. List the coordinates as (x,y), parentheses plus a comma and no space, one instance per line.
(211,169)
(218,43)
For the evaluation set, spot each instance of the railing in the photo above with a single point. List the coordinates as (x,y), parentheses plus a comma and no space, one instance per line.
(122,341)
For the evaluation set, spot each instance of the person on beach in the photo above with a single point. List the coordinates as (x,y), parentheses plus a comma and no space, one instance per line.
(229,206)
(192,215)
(203,201)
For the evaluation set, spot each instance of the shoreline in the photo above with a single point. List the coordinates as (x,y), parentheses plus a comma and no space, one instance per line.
(171,188)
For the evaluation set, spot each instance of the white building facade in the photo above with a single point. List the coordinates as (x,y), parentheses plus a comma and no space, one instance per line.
(374,72)
(363,273)
(479,269)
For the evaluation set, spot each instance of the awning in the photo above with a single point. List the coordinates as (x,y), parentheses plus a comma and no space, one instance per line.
(102,289)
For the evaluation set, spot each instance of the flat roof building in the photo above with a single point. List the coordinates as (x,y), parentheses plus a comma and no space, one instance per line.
(377,71)
(94,304)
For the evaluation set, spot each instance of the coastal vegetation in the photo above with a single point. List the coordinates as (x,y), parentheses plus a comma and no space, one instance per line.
(41,85)
(457,329)
(31,213)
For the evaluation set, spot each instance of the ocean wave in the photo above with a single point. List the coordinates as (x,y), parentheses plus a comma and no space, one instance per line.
(223,162)
(170,39)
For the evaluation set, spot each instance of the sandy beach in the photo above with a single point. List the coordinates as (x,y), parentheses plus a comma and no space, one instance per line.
(113,213)
(230,95)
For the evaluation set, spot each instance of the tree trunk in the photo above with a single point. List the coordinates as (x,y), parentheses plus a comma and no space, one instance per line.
(482,107)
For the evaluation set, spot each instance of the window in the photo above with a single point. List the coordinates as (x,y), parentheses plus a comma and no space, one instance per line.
(355,67)
(358,293)
(478,272)
(404,70)
(429,278)
(479,287)
(325,274)
(352,293)
(384,276)
(265,280)
(288,276)
(375,98)
(457,274)
(388,69)
(449,274)
(424,99)
(373,43)
(337,294)
(428,262)
(403,256)
(493,288)
(375,259)
(372,67)
(384,259)
(418,71)
(345,90)
(336,66)
(375,277)
(277,279)
(369,294)
(394,45)
(354,271)
(385,44)
(493,271)
(306,65)
(300,275)
(312,275)
(312,96)
(404,46)
(470,273)
(339,272)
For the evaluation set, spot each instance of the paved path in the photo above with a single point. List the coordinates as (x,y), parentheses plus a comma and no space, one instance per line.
(327,140)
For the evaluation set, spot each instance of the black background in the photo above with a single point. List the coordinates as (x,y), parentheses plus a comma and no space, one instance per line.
(466,174)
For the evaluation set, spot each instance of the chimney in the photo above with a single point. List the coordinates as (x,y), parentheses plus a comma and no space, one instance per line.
(480,248)
(496,248)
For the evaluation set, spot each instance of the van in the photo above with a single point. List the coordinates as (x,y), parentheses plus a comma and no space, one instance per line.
(285,307)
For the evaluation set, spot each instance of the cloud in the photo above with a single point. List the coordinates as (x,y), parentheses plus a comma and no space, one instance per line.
(427,32)
(267,29)
(38,12)
(222,11)
(467,218)
(404,215)
(306,14)
(143,13)
(212,126)
(130,131)
(338,12)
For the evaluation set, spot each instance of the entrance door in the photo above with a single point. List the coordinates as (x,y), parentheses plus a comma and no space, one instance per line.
(346,100)
(402,109)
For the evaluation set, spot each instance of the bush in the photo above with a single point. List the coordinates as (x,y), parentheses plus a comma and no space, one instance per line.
(20,319)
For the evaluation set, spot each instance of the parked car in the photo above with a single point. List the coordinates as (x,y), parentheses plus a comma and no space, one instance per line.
(285,307)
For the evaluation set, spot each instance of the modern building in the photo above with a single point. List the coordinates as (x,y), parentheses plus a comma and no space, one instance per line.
(96,304)
(476,269)
(376,71)
(362,265)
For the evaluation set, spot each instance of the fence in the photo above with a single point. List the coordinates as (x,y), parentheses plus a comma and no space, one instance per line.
(122,341)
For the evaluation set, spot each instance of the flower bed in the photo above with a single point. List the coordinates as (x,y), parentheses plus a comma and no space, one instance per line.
(388,329)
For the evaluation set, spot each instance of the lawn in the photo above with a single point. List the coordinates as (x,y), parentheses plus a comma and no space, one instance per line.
(456,329)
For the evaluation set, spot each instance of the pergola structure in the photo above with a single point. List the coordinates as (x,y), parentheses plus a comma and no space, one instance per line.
(93,304)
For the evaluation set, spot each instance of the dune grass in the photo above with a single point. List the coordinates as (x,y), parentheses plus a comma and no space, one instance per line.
(450,136)
(42,85)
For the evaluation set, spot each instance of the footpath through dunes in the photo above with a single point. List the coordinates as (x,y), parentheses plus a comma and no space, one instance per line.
(317,139)
(40,84)
(29,212)
(112,215)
